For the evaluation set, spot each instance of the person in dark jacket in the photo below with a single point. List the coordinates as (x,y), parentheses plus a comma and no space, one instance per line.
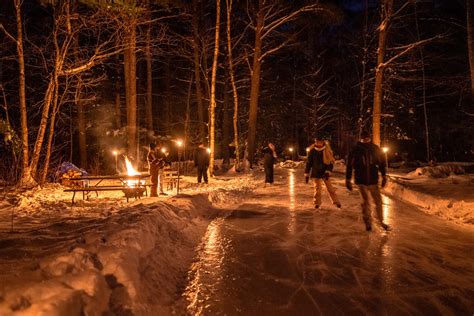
(269,156)
(367,160)
(157,160)
(319,164)
(201,161)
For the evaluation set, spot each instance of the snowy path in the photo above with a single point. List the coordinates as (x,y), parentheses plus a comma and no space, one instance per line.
(275,255)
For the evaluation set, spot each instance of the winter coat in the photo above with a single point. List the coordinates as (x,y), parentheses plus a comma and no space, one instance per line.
(201,158)
(268,157)
(157,160)
(320,160)
(366,159)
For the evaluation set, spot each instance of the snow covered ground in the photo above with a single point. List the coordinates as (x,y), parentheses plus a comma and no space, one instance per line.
(446,190)
(104,255)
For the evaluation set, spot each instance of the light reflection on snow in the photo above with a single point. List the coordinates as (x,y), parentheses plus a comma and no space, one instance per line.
(291,194)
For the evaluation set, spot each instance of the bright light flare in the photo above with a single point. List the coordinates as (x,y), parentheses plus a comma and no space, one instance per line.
(385,149)
(307,150)
(114,152)
(291,149)
(208,150)
(163,150)
(131,171)
(179,142)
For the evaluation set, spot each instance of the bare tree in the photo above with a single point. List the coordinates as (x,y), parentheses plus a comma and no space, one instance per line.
(234,87)
(269,17)
(470,39)
(212,114)
(26,179)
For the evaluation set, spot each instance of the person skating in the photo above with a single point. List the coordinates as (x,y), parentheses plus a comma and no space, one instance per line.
(157,161)
(367,160)
(201,162)
(319,165)
(269,156)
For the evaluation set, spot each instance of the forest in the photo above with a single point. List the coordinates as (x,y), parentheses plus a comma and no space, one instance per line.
(80,79)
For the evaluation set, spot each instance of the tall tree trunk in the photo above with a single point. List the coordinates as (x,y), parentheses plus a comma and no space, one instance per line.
(130,67)
(234,88)
(81,129)
(255,84)
(425,112)
(360,120)
(470,40)
(387,8)
(26,179)
(167,101)
(186,120)
(197,69)
(149,82)
(212,114)
(52,123)
(225,128)
(117,114)
(43,123)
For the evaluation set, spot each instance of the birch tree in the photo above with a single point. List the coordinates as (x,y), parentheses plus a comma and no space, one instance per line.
(212,106)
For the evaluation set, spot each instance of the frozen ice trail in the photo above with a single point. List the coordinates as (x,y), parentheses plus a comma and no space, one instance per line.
(276,255)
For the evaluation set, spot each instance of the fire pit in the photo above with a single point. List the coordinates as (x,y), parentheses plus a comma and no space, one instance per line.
(133,192)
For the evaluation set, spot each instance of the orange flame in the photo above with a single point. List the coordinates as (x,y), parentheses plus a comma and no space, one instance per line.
(132,172)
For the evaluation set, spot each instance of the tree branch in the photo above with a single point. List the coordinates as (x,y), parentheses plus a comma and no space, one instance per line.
(7,34)
(407,49)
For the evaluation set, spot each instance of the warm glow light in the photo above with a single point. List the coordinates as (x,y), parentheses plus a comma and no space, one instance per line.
(291,149)
(385,149)
(163,150)
(307,150)
(179,142)
(115,152)
(208,150)
(131,171)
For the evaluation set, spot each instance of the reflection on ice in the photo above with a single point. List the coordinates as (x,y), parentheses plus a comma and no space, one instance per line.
(210,265)
(387,209)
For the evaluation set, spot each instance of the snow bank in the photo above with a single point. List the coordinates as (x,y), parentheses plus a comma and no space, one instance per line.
(439,171)
(291,164)
(104,255)
(450,198)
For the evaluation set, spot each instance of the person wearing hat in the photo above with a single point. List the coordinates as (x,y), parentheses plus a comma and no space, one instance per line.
(319,165)
(201,162)
(367,160)
(156,162)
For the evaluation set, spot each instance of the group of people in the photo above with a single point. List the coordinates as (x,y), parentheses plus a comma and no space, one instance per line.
(364,163)
(158,160)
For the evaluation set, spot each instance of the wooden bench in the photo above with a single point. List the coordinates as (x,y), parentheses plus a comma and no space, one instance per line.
(170,178)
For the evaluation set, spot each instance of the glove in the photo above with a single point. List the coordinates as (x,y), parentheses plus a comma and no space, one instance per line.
(306,178)
(327,174)
(384,181)
(348,185)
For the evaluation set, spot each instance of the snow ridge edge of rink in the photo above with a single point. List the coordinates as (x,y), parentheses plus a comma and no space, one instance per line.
(458,211)
(133,266)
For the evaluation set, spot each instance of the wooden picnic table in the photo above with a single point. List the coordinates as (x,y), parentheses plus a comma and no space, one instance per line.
(88,186)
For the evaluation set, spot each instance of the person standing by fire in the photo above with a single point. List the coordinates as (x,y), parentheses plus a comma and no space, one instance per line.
(157,160)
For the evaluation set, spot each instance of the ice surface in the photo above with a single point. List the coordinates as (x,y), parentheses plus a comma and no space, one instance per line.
(276,255)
